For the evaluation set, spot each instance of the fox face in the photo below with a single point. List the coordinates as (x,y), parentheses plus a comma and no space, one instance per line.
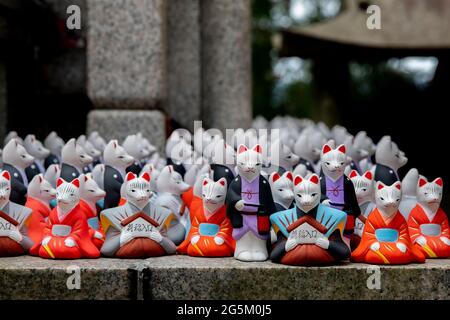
(170,181)
(137,189)
(214,194)
(41,189)
(282,188)
(16,155)
(35,147)
(116,156)
(429,194)
(89,189)
(334,161)
(387,198)
(67,194)
(307,192)
(249,162)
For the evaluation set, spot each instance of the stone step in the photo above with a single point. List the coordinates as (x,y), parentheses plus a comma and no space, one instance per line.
(181,277)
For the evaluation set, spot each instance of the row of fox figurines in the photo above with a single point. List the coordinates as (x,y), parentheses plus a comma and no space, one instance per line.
(135,205)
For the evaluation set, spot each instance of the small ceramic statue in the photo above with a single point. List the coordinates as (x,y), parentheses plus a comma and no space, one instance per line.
(35,148)
(135,147)
(356,152)
(409,192)
(365,194)
(385,238)
(210,233)
(116,161)
(170,187)
(389,159)
(92,151)
(428,223)
(40,193)
(90,194)
(14,222)
(15,160)
(223,161)
(133,230)
(311,233)
(282,159)
(54,143)
(249,204)
(337,189)
(99,143)
(66,234)
(306,153)
(282,190)
(74,159)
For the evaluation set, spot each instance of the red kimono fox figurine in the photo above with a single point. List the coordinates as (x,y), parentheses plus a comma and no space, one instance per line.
(66,234)
(428,223)
(385,238)
(40,193)
(210,234)
(90,193)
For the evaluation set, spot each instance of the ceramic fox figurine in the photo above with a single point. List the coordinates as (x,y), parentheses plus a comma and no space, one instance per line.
(133,230)
(54,143)
(14,221)
(337,189)
(210,233)
(66,234)
(428,223)
(282,190)
(249,204)
(116,161)
(365,194)
(389,159)
(90,194)
(310,233)
(385,238)
(35,148)
(40,193)
(15,160)
(74,160)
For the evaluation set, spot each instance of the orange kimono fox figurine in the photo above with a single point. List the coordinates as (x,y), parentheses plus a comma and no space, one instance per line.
(40,193)
(66,234)
(385,238)
(210,234)
(428,223)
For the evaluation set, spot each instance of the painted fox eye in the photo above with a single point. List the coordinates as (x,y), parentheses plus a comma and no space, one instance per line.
(133,190)
(314,194)
(281,190)
(382,199)
(92,191)
(219,196)
(327,163)
(299,195)
(342,163)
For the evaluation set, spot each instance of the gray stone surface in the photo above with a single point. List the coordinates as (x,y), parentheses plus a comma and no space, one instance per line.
(193,278)
(126,53)
(184,71)
(35,278)
(226,63)
(118,124)
(182,277)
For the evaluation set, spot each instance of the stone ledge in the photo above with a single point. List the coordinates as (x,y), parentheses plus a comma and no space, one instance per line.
(181,277)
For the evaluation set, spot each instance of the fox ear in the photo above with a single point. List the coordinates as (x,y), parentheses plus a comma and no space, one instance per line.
(289,176)
(40,178)
(353,174)
(298,179)
(439,182)
(422,182)
(398,185)
(170,169)
(314,179)
(86,178)
(223,181)
(257,148)
(6,175)
(205,181)
(59,182)
(380,185)
(326,148)
(368,175)
(130,176)
(242,148)
(341,148)
(146,176)
(275,176)
(76,182)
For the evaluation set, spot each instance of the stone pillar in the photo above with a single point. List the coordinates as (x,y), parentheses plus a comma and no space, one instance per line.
(184,71)
(226,63)
(126,67)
